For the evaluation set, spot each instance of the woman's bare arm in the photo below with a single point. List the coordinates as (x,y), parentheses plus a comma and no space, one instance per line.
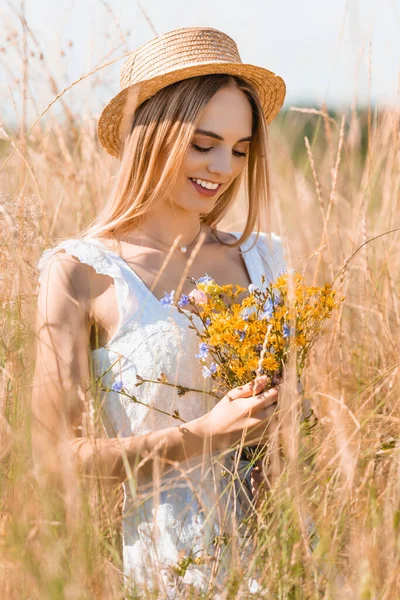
(60,397)
(61,378)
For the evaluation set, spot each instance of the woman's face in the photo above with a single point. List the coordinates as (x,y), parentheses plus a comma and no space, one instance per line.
(217,152)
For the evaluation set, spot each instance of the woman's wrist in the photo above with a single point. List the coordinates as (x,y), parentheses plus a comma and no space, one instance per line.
(178,443)
(193,436)
(200,432)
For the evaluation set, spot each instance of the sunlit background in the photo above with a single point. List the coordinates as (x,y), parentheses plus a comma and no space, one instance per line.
(335,164)
(335,52)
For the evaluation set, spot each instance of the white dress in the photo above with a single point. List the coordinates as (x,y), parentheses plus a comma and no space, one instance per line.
(180,518)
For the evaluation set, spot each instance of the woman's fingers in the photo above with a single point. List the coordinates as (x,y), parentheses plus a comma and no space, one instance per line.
(250,389)
(265,399)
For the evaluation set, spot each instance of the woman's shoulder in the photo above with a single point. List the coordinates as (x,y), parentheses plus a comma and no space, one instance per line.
(60,267)
(76,258)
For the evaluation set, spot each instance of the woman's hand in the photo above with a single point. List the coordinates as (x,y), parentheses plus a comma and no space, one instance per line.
(243,414)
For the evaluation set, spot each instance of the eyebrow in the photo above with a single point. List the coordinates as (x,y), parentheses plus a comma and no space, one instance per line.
(219,137)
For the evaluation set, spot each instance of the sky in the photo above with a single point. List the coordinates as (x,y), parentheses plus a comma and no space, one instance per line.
(337,52)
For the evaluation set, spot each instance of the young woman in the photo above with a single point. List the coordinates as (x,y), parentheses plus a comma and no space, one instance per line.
(190,127)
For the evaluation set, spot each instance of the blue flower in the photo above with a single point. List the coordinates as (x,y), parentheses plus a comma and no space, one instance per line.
(277,299)
(208,371)
(203,350)
(207,322)
(246,313)
(241,334)
(268,309)
(183,301)
(259,347)
(117,386)
(168,298)
(205,279)
(286,331)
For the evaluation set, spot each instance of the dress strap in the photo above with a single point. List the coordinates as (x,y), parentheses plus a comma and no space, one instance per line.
(272,254)
(263,257)
(103,262)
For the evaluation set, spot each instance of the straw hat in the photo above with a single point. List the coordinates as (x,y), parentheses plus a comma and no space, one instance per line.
(175,56)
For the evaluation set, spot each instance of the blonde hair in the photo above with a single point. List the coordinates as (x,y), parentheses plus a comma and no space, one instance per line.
(162,130)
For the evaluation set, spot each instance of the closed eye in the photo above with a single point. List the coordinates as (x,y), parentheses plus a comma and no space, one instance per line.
(202,149)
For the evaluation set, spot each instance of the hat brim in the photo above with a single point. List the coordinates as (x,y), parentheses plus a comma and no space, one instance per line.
(116,119)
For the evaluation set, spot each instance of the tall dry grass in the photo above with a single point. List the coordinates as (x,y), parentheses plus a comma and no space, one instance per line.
(330,528)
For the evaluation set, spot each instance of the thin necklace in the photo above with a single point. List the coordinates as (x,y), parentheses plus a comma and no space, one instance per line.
(182,249)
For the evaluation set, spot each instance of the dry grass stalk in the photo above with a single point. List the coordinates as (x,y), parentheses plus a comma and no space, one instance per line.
(329,525)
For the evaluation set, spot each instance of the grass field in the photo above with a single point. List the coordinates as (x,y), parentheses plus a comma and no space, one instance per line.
(335,184)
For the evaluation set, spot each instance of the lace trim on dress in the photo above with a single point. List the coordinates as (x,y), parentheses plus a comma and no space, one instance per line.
(99,258)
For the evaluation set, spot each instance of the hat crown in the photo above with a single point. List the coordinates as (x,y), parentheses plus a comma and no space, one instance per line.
(175,56)
(176,50)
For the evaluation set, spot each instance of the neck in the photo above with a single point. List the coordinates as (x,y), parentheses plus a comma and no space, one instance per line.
(167,224)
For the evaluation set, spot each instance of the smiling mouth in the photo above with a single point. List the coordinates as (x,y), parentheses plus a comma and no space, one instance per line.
(209,185)
(205,191)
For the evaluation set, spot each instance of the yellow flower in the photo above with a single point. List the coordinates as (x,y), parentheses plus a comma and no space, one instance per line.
(254,335)
(210,288)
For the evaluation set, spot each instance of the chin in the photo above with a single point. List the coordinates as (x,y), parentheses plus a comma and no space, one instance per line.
(197,207)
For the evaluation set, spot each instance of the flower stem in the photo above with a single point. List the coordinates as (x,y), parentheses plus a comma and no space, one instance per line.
(182,388)
(134,399)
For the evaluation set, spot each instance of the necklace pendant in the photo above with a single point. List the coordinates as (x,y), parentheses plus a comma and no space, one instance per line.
(183,249)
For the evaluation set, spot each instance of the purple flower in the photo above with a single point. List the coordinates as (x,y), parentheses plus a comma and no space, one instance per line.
(117,386)
(277,299)
(205,279)
(268,309)
(208,371)
(183,301)
(168,298)
(286,331)
(207,322)
(203,350)
(259,347)
(241,334)
(246,313)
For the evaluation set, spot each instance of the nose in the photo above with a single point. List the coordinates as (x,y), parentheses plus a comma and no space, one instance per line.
(221,164)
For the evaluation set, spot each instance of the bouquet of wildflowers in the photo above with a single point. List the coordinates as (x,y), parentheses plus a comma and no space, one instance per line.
(243,339)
